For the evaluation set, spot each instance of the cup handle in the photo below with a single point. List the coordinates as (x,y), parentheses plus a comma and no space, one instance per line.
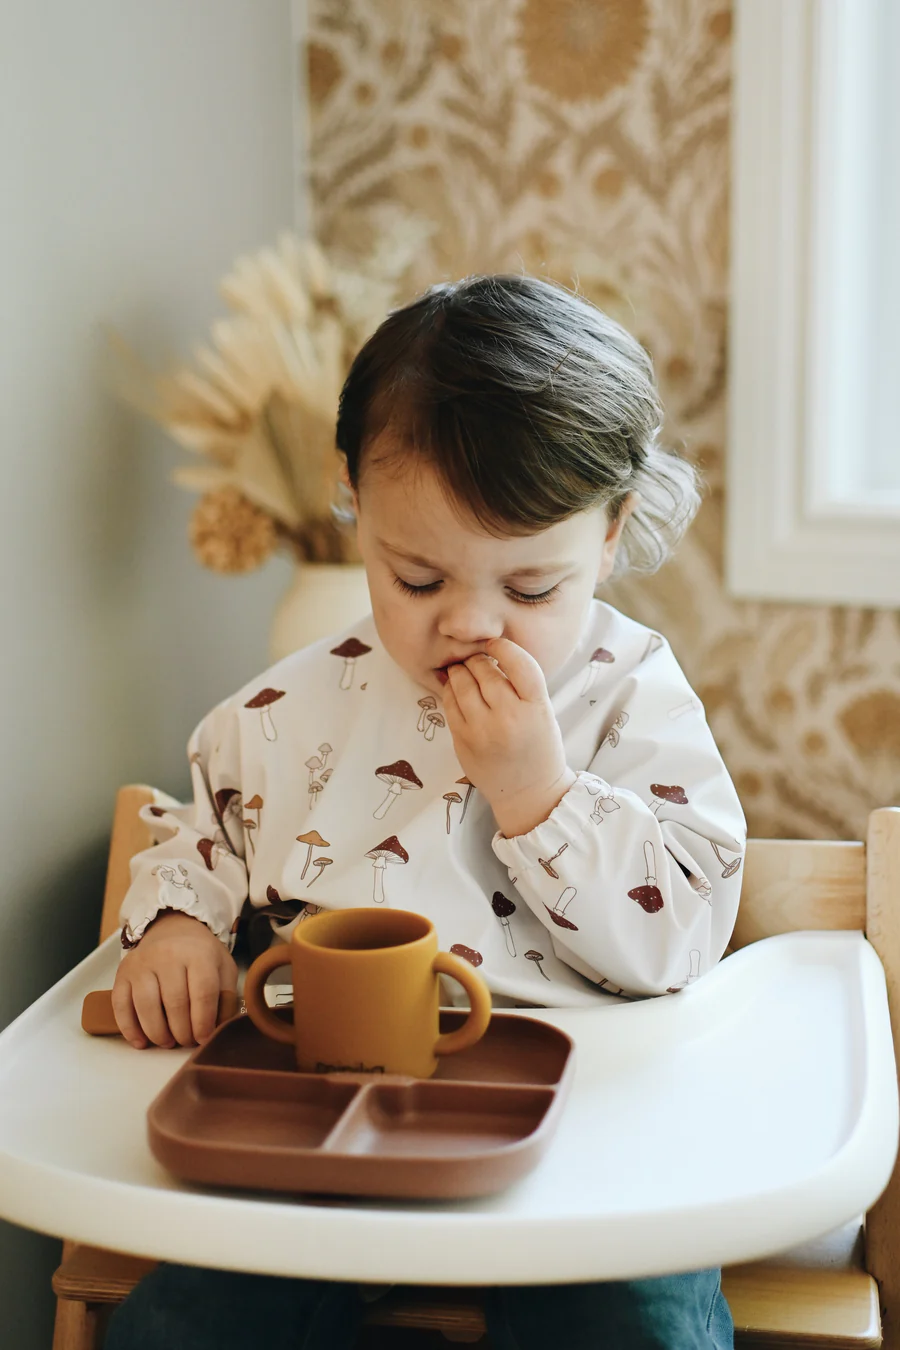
(476,1024)
(258,1011)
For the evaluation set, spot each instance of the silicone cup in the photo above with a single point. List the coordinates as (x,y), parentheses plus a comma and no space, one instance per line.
(447,1043)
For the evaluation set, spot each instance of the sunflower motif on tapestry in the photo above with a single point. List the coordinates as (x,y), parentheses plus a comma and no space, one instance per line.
(579,49)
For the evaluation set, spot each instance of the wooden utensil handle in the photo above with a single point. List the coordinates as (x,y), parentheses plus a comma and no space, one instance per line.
(98,1018)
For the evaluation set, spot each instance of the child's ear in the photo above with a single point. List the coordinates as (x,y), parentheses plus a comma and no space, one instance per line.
(613,538)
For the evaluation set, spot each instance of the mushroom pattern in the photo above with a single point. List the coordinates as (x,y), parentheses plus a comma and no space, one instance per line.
(451,798)
(127,938)
(649,897)
(558,912)
(606,801)
(388,851)
(661,794)
(351,649)
(427,704)
(693,973)
(255,804)
(228,804)
(467,953)
(606,798)
(225,803)
(321,863)
(231,805)
(210,850)
(618,724)
(282,912)
(309,912)
(728,868)
(312,839)
(263,701)
(601,657)
(470,788)
(400,777)
(317,785)
(434,720)
(180,881)
(546,862)
(503,908)
(537,958)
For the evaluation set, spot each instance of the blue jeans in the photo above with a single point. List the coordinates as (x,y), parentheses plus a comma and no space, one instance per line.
(186,1308)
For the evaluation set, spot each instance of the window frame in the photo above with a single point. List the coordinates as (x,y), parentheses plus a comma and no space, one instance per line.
(797,527)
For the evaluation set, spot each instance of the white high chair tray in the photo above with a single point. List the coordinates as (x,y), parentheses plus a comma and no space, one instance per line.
(754,1110)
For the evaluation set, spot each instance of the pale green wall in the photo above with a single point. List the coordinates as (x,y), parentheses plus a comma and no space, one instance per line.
(143,143)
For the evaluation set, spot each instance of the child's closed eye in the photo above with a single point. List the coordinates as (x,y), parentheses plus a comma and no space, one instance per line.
(539,599)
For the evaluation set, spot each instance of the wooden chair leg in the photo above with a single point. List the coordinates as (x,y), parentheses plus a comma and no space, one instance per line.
(883,931)
(77,1327)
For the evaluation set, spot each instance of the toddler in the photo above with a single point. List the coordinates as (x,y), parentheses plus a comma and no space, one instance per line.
(492,747)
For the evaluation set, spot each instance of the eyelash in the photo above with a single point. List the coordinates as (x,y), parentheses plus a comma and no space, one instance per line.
(544,598)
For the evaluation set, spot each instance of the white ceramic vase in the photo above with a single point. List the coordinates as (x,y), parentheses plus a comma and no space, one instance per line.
(323,598)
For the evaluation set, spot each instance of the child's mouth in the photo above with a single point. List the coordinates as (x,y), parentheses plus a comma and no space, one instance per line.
(441,671)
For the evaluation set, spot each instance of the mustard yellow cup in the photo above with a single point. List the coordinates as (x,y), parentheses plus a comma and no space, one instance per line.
(366,994)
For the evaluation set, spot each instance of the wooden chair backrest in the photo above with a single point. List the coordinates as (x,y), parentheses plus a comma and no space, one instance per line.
(794,884)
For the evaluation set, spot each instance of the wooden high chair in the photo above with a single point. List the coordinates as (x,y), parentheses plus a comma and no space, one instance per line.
(788,885)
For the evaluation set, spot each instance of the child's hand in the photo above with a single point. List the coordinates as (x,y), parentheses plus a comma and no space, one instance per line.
(506,735)
(167,989)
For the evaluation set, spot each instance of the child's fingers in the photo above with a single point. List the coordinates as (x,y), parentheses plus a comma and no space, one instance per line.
(466,690)
(126,1017)
(173,988)
(490,679)
(203,987)
(520,668)
(450,705)
(148,1006)
(228,971)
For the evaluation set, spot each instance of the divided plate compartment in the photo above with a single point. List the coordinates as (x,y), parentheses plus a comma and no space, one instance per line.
(239,1114)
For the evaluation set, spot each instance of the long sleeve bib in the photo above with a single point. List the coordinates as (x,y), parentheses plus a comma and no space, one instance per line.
(331,782)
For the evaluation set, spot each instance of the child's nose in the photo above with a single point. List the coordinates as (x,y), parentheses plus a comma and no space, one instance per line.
(468,620)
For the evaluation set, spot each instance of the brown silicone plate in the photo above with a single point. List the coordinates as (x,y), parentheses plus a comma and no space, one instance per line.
(238,1114)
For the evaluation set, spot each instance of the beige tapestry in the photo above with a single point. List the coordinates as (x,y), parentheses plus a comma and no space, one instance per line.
(587,141)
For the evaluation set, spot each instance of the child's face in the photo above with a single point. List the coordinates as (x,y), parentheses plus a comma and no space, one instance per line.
(410,536)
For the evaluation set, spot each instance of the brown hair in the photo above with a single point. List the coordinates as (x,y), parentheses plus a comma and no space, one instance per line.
(530,403)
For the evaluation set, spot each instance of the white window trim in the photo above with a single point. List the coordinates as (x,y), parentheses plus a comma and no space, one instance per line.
(795,529)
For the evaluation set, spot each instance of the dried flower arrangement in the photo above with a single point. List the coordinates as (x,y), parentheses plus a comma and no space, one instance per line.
(261,408)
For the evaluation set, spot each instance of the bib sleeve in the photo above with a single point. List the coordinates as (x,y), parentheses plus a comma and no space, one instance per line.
(636,874)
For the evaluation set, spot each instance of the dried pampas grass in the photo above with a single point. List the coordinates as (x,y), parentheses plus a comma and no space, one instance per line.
(260,407)
(229,534)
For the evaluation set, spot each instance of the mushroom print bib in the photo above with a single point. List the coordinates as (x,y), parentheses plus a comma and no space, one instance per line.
(331,781)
